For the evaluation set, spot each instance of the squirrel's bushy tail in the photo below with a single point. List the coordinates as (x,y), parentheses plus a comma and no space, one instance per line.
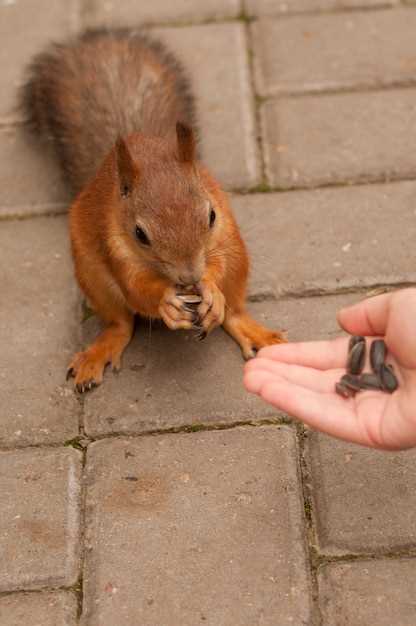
(86,93)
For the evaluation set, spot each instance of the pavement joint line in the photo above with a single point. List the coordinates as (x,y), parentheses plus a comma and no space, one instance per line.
(334,11)
(176,430)
(79,586)
(304,481)
(244,16)
(266,189)
(45,210)
(39,590)
(321,559)
(58,209)
(365,179)
(256,105)
(361,88)
(318,292)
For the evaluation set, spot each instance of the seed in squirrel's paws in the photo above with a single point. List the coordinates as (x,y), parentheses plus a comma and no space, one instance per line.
(190,298)
(190,301)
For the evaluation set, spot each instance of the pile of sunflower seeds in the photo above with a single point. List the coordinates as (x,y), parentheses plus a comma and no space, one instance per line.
(381,379)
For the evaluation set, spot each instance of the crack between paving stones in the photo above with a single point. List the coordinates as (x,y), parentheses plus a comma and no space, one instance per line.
(58,209)
(256,105)
(363,88)
(305,483)
(82,442)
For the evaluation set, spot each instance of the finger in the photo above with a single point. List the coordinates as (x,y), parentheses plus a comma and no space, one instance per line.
(172,312)
(256,379)
(207,302)
(368,317)
(175,324)
(215,315)
(324,412)
(322,381)
(321,355)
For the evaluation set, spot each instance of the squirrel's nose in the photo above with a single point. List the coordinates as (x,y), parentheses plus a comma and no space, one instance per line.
(186,279)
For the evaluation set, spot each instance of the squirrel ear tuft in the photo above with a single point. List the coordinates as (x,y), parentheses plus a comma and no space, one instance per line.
(186,142)
(128,172)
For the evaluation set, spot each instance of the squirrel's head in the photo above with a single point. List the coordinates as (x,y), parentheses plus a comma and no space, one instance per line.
(168,218)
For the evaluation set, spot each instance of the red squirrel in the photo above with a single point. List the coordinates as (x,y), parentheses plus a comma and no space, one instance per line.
(148,221)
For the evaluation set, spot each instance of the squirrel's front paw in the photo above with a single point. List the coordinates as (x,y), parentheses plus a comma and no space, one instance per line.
(174,313)
(211,311)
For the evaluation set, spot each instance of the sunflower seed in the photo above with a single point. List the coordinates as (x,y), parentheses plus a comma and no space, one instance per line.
(388,379)
(350,381)
(343,391)
(370,381)
(378,353)
(356,358)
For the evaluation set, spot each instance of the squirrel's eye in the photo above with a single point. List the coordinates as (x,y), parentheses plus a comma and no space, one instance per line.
(212,216)
(142,237)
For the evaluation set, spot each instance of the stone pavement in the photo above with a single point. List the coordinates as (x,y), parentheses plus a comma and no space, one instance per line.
(168,497)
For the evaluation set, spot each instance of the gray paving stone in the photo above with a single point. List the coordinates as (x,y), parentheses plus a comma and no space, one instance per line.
(169,380)
(340,138)
(378,592)
(278,7)
(39,519)
(338,51)
(131,12)
(364,500)
(30,180)
(38,332)
(38,609)
(216,58)
(25,28)
(196,528)
(329,238)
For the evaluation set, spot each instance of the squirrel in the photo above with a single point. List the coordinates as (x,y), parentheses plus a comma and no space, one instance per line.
(148,221)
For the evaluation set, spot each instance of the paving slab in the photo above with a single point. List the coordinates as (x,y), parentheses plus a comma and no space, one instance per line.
(39,326)
(280,7)
(38,609)
(39,518)
(196,528)
(131,12)
(30,180)
(216,58)
(378,592)
(363,500)
(169,380)
(340,138)
(328,239)
(334,51)
(25,28)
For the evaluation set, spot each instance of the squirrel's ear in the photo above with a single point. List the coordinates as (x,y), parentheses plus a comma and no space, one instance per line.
(128,172)
(186,142)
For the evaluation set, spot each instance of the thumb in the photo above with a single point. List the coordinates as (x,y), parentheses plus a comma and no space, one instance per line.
(366,318)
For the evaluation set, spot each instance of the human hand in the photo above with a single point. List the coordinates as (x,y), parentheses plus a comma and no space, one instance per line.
(299,378)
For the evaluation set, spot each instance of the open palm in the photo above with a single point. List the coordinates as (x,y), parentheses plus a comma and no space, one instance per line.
(299,378)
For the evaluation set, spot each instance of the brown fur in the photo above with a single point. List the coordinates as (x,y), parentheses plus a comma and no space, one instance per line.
(149,216)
